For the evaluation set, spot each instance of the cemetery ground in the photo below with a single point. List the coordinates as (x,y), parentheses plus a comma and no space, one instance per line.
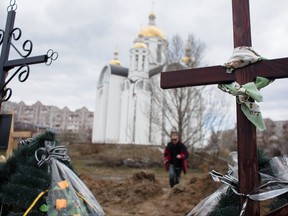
(130,180)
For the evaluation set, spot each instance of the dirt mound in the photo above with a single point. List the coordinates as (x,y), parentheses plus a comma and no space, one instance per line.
(142,194)
(124,189)
(183,197)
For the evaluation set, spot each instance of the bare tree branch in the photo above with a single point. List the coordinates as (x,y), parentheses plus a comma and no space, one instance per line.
(191,111)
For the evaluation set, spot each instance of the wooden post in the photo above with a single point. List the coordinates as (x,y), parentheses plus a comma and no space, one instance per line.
(246,131)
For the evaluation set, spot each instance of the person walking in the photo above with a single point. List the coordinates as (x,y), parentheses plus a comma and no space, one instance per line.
(175,156)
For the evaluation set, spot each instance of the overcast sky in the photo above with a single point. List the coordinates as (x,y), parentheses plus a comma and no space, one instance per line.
(86,33)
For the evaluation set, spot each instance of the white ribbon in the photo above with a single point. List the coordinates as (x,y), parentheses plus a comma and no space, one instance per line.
(51,151)
(254,195)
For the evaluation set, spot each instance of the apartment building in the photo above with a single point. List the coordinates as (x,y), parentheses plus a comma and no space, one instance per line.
(39,117)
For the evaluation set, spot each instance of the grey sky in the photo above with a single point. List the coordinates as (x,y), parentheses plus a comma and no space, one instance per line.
(86,33)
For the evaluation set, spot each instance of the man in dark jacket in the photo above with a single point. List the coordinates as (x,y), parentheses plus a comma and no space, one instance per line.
(175,156)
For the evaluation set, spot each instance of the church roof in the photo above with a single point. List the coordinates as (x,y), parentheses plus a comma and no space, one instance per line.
(118,70)
(165,68)
(174,67)
(156,70)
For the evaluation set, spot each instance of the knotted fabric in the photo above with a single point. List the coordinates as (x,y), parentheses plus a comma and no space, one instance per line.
(67,194)
(51,151)
(243,56)
(269,190)
(274,183)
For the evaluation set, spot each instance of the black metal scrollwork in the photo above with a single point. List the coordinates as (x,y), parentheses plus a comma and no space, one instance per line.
(12,6)
(22,77)
(16,33)
(21,66)
(52,56)
(1,36)
(27,46)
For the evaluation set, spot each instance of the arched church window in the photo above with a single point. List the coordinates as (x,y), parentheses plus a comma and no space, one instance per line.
(147,86)
(143,62)
(159,56)
(136,60)
(105,75)
(126,85)
(122,86)
(139,85)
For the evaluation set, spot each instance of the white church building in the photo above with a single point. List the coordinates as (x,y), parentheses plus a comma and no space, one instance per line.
(123,99)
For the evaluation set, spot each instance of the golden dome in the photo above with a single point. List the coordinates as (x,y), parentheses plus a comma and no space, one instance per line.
(151,31)
(140,45)
(115,60)
(187,60)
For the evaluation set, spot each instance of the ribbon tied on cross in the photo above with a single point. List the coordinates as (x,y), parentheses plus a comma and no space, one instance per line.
(247,94)
(274,183)
(262,193)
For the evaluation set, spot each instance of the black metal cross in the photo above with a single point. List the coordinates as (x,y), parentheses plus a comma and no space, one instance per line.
(246,131)
(23,63)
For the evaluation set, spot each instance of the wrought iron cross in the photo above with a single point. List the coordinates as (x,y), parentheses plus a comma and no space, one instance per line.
(246,131)
(6,38)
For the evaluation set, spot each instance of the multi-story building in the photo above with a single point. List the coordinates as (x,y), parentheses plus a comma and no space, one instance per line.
(273,140)
(38,117)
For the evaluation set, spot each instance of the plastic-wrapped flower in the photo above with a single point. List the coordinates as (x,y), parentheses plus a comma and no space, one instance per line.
(62,184)
(61,203)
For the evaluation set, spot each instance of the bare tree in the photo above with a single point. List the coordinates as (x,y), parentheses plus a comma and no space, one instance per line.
(189,110)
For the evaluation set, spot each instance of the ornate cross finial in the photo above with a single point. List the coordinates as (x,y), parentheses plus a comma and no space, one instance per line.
(7,37)
(12,6)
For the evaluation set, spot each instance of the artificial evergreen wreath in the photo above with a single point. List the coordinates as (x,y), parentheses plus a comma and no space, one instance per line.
(38,180)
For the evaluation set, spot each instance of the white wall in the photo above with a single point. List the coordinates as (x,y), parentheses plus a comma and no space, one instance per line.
(114,109)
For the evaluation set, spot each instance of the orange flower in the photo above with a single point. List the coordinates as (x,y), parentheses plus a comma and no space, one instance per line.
(61,203)
(63,184)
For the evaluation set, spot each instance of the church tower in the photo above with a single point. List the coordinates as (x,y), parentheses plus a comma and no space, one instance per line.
(156,42)
(149,51)
(139,62)
(123,98)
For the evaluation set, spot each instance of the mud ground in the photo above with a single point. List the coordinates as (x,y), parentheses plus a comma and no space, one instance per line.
(143,193)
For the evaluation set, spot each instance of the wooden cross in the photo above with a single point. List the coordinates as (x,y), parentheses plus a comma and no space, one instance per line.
(246,131)
(5,41)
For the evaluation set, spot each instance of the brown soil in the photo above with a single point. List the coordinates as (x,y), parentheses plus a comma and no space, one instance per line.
(123,191)
(143,194)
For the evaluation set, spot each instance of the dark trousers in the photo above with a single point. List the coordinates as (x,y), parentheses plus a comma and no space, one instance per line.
(174,175)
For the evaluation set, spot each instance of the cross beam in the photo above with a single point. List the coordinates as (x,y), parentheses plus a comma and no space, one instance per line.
(246,131)
(26,61)
(271,69)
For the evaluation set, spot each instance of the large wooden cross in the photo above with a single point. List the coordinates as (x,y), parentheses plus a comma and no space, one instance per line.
(246,131)
(6,42)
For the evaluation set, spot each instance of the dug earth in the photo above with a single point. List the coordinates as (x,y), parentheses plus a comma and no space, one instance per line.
(133,191)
